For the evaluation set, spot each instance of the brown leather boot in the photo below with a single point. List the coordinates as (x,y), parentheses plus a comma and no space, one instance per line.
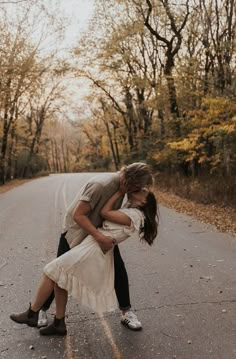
(29,317)
(58,327)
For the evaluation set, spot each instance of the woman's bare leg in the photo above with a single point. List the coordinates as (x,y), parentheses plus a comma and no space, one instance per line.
(61,296)
(58,326)
(45,288)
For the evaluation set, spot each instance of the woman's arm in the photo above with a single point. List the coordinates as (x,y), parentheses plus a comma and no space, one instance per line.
(115,216)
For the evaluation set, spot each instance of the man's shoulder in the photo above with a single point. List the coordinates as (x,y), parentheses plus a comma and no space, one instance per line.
(105,179)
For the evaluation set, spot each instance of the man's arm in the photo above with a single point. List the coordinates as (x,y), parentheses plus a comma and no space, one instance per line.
(81,218)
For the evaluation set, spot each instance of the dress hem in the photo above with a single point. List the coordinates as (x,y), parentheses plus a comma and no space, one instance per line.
(99,303)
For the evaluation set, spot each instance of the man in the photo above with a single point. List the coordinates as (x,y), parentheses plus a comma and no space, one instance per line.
(83,218)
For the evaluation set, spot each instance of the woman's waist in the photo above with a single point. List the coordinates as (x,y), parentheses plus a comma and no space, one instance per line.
(118,235)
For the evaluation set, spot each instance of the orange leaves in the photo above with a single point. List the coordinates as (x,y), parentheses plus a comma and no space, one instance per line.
(210,140)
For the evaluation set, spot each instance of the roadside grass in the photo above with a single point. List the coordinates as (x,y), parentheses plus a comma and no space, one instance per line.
(208,190)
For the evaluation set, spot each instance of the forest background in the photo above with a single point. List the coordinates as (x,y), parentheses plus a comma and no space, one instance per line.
(155,80)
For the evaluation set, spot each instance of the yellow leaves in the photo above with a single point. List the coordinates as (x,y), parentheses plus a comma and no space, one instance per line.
(190,147)
(219,108)
(184,145)
(229,128)
(217,114)
(204,144)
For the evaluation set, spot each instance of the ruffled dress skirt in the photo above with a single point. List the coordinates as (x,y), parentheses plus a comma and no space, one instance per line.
(87,274)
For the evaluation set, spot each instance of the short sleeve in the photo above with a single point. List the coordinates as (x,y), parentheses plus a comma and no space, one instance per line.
(92,194)
(137,219)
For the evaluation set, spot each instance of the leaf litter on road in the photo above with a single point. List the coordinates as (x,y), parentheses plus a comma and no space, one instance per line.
(224,218)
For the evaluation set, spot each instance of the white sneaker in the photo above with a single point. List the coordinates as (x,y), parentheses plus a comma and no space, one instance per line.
(131,321)
(42,320)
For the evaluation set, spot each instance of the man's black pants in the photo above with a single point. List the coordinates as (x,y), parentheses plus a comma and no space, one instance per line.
(121,277)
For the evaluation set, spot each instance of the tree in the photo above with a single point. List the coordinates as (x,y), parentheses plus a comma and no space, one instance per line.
(22,67)
(17,75)
(172,43)
(219,29)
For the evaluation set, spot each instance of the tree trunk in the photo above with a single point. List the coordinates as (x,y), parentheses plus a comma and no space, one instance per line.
(111,145)
(11,147)
(174,110)
(53,156)
(67,158)
(144,114)
(63,155)
(31,152)
(56,157)
(116,147)
(3,152)
(130,122)
(162,123)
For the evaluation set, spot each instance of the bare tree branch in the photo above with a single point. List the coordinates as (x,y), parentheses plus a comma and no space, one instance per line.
(98,84)
(12,2)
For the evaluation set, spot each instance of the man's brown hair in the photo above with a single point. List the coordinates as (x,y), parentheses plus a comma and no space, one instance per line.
(138,174)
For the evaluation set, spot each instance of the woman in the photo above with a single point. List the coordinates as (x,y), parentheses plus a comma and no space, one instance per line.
(86,271)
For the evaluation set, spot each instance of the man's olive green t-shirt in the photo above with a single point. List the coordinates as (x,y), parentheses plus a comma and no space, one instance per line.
(96,192)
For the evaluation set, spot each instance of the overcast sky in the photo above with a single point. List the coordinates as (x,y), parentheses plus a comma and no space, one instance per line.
(79,13)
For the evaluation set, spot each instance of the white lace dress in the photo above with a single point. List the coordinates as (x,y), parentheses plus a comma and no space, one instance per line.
(87,273)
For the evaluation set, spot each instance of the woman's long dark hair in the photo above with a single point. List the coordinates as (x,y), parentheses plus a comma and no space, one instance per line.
(151,221)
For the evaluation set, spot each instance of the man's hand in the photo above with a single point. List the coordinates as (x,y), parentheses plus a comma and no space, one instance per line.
(123,187)
(106,243)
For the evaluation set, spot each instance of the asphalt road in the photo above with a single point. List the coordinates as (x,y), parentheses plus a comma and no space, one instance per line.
(183,288)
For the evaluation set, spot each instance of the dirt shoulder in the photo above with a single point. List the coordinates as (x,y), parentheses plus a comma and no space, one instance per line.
(14,183)
(224,218)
